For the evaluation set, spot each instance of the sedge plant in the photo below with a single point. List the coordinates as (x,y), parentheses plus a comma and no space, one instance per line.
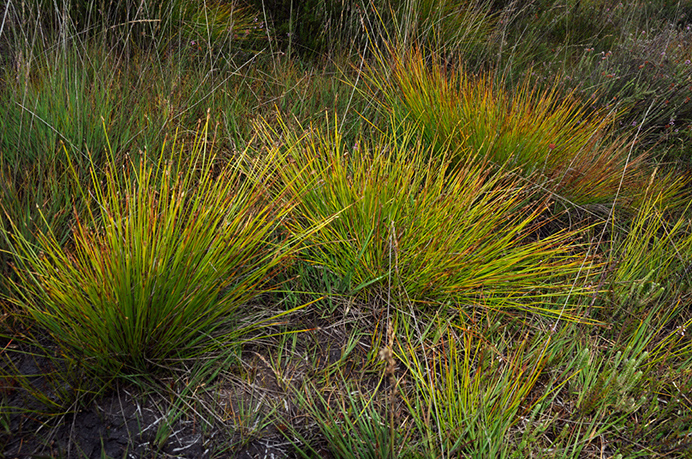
(467,394)
(353,426)
(651,261)
(159,264)
(552,140)
(405,221)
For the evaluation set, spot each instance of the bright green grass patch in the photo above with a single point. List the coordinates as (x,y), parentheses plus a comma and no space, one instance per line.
(467,394)
(158,265)
(408,224)
(550,139)
(651,262)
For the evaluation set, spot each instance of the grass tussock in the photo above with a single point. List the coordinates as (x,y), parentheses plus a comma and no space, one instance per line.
(552,139)
(157,266)
(406,222)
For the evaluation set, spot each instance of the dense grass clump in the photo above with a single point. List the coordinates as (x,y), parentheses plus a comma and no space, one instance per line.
(157,265)
(548,137)
(407,222)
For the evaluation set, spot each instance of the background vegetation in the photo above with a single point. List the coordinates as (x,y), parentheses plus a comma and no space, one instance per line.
(346,228)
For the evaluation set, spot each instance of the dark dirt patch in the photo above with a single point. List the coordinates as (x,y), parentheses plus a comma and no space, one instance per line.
(125,422)
(245,412)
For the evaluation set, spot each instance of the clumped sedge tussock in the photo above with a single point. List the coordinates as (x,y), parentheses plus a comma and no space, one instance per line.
(551,139)
(652,261)
(353,426)
(467,394)
(460,235)
(158,266)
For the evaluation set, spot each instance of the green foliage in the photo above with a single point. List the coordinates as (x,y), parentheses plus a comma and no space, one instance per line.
(60,112)
(142,24)
(460,124)
(467,393)
(550,138)
(87,99)
(353,427)
(317,27)
(451,27)
(312,27)
(159,266)
(665,421)
(608,385)
(60,100)
(627,57)
(646,75)
(651,263)
(406,222)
